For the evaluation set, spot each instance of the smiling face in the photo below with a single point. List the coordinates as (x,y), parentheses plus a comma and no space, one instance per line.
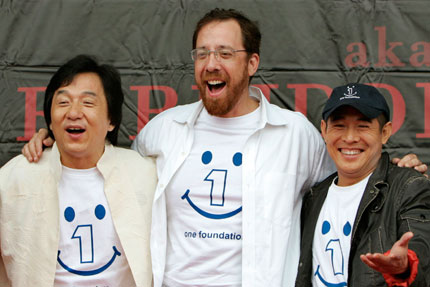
(80,122)
(354,142)
(223,84)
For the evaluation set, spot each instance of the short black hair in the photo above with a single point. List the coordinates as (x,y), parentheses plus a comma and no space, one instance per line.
(382,120)
(111,83)
(251,36)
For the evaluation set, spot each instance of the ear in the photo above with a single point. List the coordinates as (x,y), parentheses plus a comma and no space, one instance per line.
(253,63)
(323,129)
(111,127)
(386,132)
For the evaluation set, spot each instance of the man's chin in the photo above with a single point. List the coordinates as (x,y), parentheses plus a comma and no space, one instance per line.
(215,107)
(218,106)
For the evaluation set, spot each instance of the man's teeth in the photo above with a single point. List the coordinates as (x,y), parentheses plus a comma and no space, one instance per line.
(350,152)
(215,82)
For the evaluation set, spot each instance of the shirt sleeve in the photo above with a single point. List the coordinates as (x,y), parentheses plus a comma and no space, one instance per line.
(393,280)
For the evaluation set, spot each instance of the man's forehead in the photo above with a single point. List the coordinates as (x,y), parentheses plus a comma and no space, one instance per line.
(82,85)
(346,110)
(220,33)
(90,79)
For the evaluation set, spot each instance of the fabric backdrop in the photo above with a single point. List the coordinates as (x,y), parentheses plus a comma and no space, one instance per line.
(308,48)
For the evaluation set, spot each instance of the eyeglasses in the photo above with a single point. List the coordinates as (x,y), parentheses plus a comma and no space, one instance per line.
(201,54)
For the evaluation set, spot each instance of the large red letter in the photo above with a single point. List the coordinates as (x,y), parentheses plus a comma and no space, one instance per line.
(426,87)
(383,53)
(360,56)
(143,102)
(301,94)
(399,107)
(30,111)
(425,54)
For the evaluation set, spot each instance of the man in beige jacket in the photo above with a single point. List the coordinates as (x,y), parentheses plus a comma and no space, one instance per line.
(80,216)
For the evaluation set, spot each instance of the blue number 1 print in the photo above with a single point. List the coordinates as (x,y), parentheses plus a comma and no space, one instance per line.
(86,246)
(218,190)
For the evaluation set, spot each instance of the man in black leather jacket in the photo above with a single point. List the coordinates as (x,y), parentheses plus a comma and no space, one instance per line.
(369,223)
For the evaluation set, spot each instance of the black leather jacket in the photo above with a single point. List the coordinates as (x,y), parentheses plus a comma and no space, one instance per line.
(396,200)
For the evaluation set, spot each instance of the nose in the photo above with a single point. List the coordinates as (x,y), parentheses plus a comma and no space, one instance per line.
(75,111)
(351,135)
(212,63)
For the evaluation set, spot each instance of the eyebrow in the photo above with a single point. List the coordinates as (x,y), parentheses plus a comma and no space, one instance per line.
(217,47)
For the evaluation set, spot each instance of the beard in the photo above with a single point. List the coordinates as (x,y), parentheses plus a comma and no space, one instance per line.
(222,106)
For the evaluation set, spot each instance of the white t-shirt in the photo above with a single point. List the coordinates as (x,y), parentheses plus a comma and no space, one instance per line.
(332,239)
(204,204)
(89,252)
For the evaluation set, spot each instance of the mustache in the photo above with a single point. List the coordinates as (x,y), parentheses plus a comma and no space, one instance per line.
(211,75)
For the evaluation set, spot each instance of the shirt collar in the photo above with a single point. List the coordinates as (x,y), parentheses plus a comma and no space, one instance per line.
(266,117)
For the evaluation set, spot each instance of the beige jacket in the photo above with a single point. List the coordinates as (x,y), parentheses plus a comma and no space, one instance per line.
(29,214)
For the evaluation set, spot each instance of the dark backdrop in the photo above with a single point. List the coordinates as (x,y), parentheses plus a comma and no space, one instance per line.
(308,47)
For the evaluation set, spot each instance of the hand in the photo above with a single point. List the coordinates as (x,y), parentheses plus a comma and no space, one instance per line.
(411,160)
(394,263)
(34,148)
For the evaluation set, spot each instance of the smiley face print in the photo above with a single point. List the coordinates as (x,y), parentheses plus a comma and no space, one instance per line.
(81,255)
(216,182)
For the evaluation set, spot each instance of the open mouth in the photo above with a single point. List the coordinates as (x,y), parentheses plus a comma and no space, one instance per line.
(215,86)
(75,130)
